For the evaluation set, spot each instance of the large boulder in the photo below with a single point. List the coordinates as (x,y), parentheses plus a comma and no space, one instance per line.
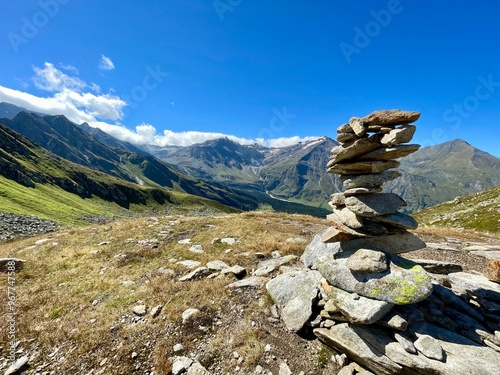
(294,293)
(403,283)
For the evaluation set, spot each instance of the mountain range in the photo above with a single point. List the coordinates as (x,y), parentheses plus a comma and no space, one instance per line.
(248,177)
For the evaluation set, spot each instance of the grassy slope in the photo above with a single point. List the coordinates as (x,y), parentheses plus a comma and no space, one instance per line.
(479,211)
(56,292)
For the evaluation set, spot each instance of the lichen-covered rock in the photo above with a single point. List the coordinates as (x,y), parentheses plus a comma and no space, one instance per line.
(403,283)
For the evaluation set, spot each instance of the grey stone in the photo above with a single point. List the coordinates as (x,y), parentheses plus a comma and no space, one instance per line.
(390,117)
(155,311)
(388,153)
(217,265)
(197,249)
(394,320)
(478,285)
(357,126)
(439,267)
(393,244)
(488,254)
(17,365)
(429,347)
(362,190)
(140,310)
(229,240)
(403,134)
(357,309)
(178,348)
(368,181)
(238,271)
(346,137)
(367,261)
(347,217)
(401,284)
(189,315)
(267,266)
(197,369)
(298,290)
(363,167)
(346,128)
(318,248)
(185,241)
(398,220)
(371,205)
(284,369)
(198,273)
(250,282)
(357,148)
(181,365)
(405,342)
(343,338)
(337,199)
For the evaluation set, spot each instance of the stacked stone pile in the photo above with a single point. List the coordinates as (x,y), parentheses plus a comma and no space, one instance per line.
(364,300)
(367,228)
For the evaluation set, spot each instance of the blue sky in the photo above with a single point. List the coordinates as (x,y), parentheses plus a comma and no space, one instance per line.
(183,71)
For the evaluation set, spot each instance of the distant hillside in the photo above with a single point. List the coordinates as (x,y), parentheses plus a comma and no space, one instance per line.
(439,173)
(67,140)
(34,181)
(296,173)
(479,211)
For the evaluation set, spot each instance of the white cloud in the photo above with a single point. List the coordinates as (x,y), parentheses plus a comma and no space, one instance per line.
(52,79)
(106,63)
(78,106)
(69,68)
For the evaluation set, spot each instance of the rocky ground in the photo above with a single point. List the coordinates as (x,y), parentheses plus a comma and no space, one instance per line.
(88,305)
(12,226)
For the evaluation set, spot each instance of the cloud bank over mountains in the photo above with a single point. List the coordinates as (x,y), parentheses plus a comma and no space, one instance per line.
(82,102)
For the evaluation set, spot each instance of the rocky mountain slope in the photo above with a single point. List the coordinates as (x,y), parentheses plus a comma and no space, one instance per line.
(479,211)
(298,173)
(440,173)
(67,140)
(35,181)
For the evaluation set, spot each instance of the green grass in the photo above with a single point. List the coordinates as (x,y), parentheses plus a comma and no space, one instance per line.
(480,211)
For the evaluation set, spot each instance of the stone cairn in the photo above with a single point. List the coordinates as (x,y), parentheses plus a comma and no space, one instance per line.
(360,297)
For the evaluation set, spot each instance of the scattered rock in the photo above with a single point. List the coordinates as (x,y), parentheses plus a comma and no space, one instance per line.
(186,241)
(250,282)
(178,348)
(267,266)
(140,310)
(18,365)
(492,271)
(284,369)
(217,265)
(181,365)
(155,311)
(198,273)
(197,249)
(189,315)
(237,271)
(429,347)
